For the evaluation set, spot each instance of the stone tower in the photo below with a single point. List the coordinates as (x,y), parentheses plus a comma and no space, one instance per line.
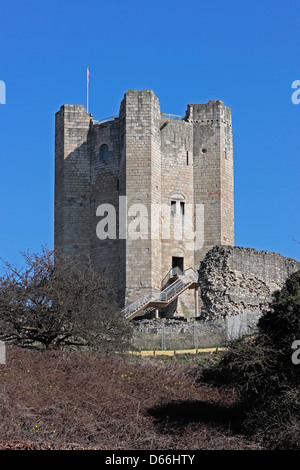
(166,181)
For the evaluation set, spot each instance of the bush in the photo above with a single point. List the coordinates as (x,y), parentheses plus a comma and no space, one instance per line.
(264,375)
(55,301)
(59,400)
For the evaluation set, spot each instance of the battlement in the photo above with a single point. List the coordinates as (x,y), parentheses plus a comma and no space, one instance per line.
(213,111)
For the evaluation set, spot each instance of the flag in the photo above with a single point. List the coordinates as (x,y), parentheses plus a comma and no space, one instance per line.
(88,75)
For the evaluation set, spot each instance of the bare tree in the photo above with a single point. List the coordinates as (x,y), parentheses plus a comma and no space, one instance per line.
(55,301)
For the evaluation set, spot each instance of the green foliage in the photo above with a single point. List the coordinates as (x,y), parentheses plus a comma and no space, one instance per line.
(264,375)
(282,323)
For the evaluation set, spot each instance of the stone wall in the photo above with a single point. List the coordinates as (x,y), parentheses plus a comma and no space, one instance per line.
(237,285)
(72,181)
(104,189)
(156,161)
(141,112)
(236,289)
(177,186)
(213,171)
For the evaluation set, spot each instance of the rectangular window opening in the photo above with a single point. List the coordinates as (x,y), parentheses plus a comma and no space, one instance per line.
(173,207)
(182,208)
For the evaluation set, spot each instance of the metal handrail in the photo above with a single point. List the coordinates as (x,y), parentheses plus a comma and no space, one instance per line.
(111,118)
(173,289)
(176,287)
(138,303)
(191,272)
(164,296)
(173,272)
(173,116)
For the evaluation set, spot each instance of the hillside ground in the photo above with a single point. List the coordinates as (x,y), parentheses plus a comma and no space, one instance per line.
(73,400)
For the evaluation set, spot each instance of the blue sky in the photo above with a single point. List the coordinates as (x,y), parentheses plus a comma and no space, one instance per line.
(244,52)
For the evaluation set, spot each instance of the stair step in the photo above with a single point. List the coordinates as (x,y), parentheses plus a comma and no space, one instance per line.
(179,286)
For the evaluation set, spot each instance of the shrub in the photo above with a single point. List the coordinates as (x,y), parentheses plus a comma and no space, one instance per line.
(264,375)
(55,301)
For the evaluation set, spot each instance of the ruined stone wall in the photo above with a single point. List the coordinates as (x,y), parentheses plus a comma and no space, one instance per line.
(237,285)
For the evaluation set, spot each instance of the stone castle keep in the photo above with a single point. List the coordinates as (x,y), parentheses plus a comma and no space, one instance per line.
(151,174)
(143,156)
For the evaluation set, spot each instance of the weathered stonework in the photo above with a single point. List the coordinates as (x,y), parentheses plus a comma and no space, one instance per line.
(237,285)
(153,159)
(157,160)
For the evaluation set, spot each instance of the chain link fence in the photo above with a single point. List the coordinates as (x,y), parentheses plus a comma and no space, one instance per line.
(174,335)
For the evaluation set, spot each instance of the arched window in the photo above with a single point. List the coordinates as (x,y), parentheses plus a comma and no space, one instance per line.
(103,153)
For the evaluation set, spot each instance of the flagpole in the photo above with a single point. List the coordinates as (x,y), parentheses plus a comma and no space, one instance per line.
(87,89)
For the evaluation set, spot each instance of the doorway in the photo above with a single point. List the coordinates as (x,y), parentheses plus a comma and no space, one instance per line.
(177,262)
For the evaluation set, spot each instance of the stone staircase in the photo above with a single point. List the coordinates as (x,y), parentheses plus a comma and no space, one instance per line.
(186,280)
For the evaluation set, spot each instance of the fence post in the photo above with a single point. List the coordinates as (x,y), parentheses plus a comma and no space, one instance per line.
(196,293)
(163,338)
(195,335)
(2,352)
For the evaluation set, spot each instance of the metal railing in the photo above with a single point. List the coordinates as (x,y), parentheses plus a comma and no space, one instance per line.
(168,116)
(173,116)
(173,289)
(173,272)
(183,337)
(140,302)
(192,273)
(111,118)
(178,285)
(189,277)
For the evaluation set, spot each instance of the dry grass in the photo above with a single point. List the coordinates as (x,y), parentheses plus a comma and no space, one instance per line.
(59,400)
